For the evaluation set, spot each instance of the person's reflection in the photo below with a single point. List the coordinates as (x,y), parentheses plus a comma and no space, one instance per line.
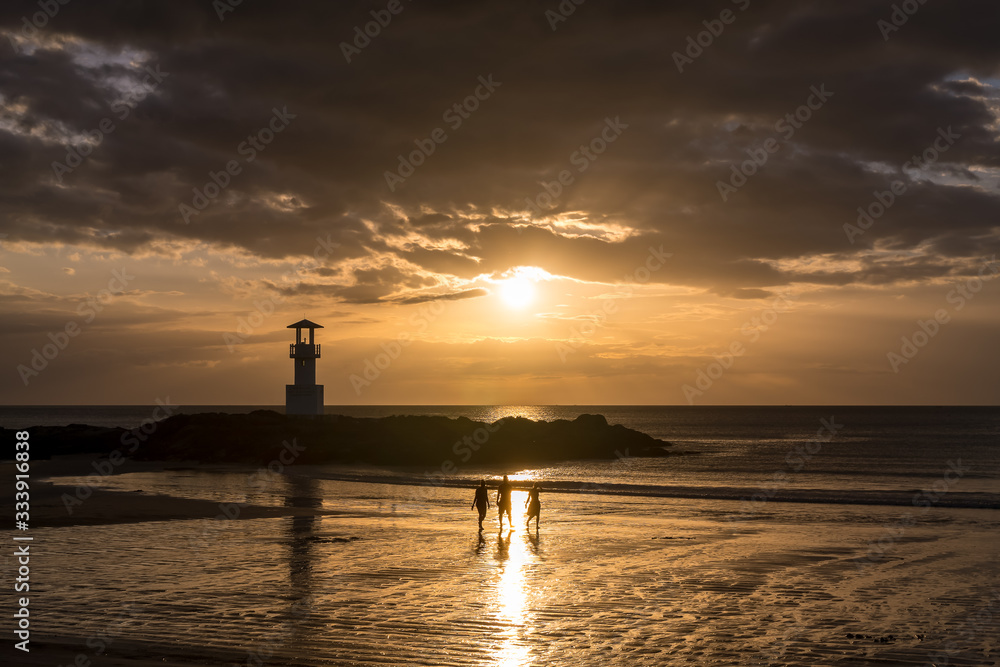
(480,544)
(533,541)
(503,546)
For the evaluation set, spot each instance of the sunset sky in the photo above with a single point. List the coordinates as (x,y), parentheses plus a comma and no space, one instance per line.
(508,202)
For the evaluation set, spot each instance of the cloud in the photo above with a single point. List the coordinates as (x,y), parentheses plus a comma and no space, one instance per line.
(453,296)
(512,184)
(743,293)
(657,181)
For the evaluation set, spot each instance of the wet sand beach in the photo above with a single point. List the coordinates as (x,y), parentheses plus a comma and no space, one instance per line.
(85,503)
(366,574)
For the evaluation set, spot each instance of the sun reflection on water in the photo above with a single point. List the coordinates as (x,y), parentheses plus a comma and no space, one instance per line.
(513,555)
(533,412)
(522,476)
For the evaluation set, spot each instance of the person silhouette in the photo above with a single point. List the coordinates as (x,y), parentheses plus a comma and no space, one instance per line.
(503,502)
(534,506)
(481,501)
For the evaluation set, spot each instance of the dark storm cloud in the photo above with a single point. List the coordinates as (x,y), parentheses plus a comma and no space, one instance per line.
(322,177)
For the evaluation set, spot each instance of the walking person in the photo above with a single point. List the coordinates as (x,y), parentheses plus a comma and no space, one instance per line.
(481,502)
(534,506)
(503,502)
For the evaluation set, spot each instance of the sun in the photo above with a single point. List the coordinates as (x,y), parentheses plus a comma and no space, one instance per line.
(517,292)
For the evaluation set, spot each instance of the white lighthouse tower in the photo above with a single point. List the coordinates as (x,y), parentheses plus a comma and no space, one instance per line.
(305,397)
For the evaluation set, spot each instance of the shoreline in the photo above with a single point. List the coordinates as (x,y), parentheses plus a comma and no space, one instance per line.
(51,501)
(51,509)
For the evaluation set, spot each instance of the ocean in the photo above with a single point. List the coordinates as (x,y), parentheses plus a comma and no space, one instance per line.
(868,455)
(787,537)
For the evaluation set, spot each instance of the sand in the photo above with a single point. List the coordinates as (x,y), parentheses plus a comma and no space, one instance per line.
(87,504)
(372,574)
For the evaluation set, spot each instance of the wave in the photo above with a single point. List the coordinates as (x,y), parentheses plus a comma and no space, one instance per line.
(748,495)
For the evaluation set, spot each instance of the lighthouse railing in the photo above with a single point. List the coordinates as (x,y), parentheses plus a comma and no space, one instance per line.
(303,350)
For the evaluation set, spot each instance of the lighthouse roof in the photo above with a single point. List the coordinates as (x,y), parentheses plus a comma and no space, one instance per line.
(304,324)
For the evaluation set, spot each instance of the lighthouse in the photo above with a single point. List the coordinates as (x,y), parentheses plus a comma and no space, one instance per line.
(305,397)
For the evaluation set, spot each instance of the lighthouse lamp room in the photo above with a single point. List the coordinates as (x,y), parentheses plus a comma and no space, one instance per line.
(305,397)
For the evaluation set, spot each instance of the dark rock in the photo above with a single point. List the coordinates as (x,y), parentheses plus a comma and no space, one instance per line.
(260,437)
